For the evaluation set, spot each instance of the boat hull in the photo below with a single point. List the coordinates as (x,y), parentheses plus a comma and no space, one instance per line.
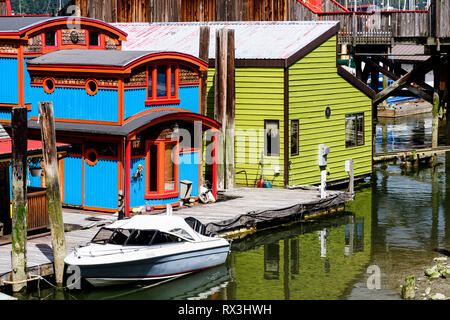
(154,268)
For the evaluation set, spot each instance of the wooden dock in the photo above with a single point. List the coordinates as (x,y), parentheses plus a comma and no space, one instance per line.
(245,210)
(410,155)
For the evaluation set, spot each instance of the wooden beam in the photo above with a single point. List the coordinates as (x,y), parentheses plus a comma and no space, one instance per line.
(230,113)
(48,138)
(220,100)
(19,197)
(420,69)
(204,55)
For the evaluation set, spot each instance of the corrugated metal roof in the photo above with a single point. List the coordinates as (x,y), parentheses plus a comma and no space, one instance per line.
(3,134)
(253,40)
(405,49)
(19,23)
(89,57)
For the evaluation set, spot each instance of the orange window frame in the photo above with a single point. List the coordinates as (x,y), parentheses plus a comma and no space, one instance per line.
(160,192)
(57,40)
(152,98)
(101,40)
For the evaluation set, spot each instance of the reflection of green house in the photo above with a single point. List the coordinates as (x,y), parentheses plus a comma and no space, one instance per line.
(287,82)
(292,264)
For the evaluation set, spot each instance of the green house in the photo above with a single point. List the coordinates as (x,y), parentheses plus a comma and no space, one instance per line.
(291,96)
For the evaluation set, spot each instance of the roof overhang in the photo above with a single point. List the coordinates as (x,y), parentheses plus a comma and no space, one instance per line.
(72,64)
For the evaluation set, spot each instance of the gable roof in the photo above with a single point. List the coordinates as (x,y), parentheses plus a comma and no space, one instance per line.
(277,41)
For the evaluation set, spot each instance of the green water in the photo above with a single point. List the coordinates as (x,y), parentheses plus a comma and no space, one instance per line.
(394,226)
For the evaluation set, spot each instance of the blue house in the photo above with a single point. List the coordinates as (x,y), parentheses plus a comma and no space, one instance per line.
(133,118)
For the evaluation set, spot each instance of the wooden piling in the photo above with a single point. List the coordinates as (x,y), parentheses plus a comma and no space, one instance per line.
(220,100)
(19,198)
(230,113)
(435,121)
(204,55)
(48,138)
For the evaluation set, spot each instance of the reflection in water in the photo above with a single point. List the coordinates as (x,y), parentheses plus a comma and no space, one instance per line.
(394,226)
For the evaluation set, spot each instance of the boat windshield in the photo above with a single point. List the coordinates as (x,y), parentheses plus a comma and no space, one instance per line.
(111,236)
(141,237)
(182,233)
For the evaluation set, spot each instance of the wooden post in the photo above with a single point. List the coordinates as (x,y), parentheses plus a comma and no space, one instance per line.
(435,121)
(351,182)
(220,100)
(53,190)
(230,113)
(204,55)
(19,197)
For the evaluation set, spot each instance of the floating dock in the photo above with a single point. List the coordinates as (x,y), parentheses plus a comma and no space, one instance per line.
(242,211)
(410,155)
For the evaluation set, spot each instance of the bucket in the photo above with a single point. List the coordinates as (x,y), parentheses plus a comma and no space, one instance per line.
(36,172)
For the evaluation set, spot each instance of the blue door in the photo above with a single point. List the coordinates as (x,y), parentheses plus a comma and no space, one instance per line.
(101,184)
(73,181)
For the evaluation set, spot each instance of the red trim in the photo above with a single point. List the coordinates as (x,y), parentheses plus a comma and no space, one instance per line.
(161,193)
(82,121)
(8,7)
(21,82)
(127,183)
(187,116)
(347,12)
(160,102)
(214,182)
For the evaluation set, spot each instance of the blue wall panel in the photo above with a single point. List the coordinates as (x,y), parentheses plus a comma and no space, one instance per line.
(33,181)
(134,100)
(9,82)
(137,186)
(73,181)
(188,170)
(75,103)
(5,113)
(101,184)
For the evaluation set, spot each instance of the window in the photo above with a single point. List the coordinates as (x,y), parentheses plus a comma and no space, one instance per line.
(91,87)
(49,85)
(91,157)
(140,238)
(111,236)
(94,39)
(50,38)
(354,130)
(271,137)
(162,173)
(294,137)
(162,84)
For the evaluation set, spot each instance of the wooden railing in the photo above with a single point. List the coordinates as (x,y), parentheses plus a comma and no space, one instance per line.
(37,210)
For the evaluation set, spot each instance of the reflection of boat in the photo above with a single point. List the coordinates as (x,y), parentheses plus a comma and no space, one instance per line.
(199,285)
(146,247)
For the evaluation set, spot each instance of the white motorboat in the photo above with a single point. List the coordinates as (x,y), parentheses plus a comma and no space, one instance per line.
(147,247)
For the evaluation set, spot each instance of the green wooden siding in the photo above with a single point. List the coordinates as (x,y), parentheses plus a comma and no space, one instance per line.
(259,97)
(315,84)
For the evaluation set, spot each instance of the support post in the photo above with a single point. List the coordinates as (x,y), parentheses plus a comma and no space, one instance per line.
(435,121)
(351,182)
(48,138)
(230,113)
(220,100)
(19,197)
(204,55)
